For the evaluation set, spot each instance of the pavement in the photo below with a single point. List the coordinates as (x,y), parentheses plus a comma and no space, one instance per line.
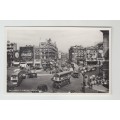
(96,88)
(100,88)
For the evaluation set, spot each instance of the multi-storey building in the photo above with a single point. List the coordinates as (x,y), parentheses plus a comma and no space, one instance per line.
(11,48)
(62,58)
(77,55)
(91,55)
(37,57)
(100,56)
(106,54)
(49,52)
(45,53)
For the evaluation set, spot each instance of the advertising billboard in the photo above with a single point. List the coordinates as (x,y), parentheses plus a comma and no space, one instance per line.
(16,56)
(91,55)
(26,54)
(100,55)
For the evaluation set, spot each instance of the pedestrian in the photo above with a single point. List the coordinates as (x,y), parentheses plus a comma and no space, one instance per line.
(92,83)
(89,83)
(83,89)
(86,80)
(83,86)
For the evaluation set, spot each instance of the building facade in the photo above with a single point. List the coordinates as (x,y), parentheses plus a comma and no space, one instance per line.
(45,53)
(37,57)
(91,55)
(77,55)
(62,58)
(106,54)
(100,56)
(48,52)
(11,48)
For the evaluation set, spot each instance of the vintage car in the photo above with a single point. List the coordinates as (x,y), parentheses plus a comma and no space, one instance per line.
(40,88)
(32,73)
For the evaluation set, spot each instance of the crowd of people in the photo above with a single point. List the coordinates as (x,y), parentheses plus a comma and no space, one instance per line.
(93,80)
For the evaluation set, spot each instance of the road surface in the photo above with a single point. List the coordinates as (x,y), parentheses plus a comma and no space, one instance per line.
(30,84)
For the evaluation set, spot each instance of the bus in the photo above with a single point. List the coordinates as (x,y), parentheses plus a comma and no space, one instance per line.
(61,79)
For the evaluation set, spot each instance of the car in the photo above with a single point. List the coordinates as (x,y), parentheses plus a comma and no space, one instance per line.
(71,91)
(38,68)
(42,88)
(54,71)
(23,65)
(32,73)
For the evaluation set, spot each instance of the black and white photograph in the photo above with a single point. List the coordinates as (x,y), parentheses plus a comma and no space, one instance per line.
(62,59)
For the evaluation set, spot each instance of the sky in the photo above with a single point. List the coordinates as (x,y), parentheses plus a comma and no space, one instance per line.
(63,36)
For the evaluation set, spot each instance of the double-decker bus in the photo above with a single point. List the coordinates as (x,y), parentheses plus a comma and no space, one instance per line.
(61,79)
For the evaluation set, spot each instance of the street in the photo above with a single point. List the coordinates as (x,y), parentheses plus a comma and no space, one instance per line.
(32,63)
(30,84)
(44,77)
